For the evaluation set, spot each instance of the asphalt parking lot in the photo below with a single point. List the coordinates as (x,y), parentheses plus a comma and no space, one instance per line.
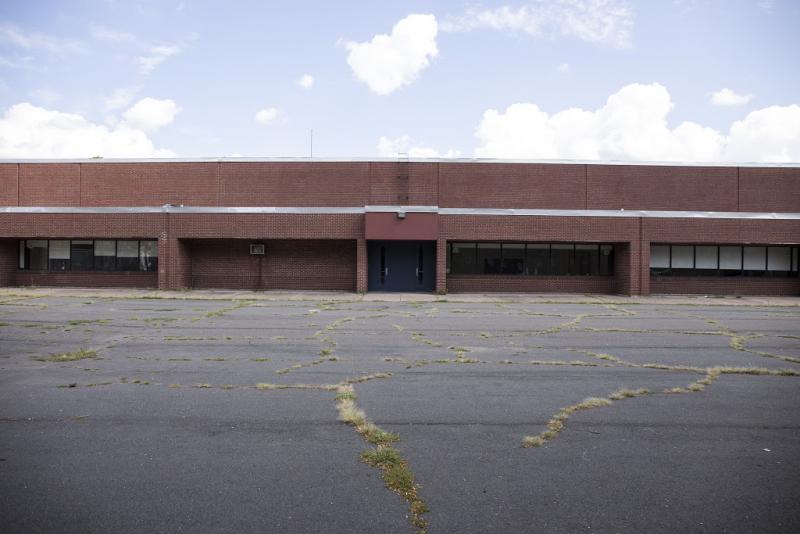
(248,415)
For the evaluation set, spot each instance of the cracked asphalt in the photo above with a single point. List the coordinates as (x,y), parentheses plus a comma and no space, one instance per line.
(219,415)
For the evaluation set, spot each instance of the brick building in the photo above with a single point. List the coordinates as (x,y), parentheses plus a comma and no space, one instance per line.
(397,225)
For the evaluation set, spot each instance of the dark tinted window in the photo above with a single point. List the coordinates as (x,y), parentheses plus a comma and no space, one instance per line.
(561,259)
(82,255)
(513,258)
(489,258)
(462,258)
(538,258)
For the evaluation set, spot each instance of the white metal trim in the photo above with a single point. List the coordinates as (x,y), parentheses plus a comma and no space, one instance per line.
(354,210)
(395,160)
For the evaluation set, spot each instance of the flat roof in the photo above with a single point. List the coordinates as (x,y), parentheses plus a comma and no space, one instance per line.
(400,159)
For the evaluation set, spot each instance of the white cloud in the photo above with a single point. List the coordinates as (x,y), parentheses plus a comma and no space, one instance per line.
(150,114)
(729,97)
(632,125)
(268,116)
(120,98)
(306,81)
(28,40)
(112,35)
(596,21)
(391,148)
(156,55)
(388,62)
(28,131)
(563,68)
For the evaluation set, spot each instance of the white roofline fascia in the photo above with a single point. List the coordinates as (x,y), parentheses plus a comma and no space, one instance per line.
(357,210)
(401,160)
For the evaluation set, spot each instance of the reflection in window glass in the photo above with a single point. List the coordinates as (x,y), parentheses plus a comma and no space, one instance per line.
(560,259)
(538,257)
(586,259)
(462,258)
(22,254)
(148,255)
(513,258)
(606,260)
(105,253)
(127,255)
(489,258)
(59,255)
(36,254)
(82,255)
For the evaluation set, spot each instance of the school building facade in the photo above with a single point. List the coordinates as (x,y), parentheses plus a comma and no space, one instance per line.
(399,225)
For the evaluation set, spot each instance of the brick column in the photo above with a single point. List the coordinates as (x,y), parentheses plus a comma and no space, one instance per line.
(9,257)
(361,266)
(644,268)
(174,263)
(627,268)
(441,266)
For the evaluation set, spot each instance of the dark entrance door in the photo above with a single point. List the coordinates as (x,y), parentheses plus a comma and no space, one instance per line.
(401,265)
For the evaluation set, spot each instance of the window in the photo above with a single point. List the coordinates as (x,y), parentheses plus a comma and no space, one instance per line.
(730,261)
(779,261)
(587,260)
(754,261)
(706,261)
(538,258)
(59,255)
(36,254)
(88,255)
(148,255)
(723,260)
(462,258)
(127,255)
(513,258)
(560,259)
(489,258)
(532,259)
(82,255)
(105,254)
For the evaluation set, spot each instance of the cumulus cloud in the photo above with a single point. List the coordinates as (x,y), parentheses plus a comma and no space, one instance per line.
(729,97)
(37,41)
(388,62)
(28,131)
(306,81)
(268,116)
(390,148)
(121,97)
(606,22)
(150,114)
(155,56)
(563,68)
(632,125)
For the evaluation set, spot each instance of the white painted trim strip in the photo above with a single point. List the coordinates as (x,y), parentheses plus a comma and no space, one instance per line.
(619,213)
(403,160)
(353,210)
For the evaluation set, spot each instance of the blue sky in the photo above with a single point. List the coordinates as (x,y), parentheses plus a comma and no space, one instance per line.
(683,80)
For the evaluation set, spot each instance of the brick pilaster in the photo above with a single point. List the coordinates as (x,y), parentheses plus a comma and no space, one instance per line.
(441,266)
(361,265)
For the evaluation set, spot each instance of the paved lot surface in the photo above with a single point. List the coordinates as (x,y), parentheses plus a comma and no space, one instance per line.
(194,415)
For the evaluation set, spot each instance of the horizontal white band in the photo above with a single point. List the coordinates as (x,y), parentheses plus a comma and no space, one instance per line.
(353,210)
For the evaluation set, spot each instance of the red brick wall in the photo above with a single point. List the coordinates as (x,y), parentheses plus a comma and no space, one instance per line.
(287,264)
(502,185)
(9,257)
(153,184)
(86,279)
(529,284)
(537,228)
(266,226)
(50,184)
(294,184)
(403,183)
(656,187)
(8,184)
(769,189)
(707,285)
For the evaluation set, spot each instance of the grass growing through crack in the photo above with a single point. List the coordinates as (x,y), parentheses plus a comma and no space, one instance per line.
(556,423)
(80,354)
(396,473)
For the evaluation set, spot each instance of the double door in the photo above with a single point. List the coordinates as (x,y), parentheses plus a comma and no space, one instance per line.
(401,265)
